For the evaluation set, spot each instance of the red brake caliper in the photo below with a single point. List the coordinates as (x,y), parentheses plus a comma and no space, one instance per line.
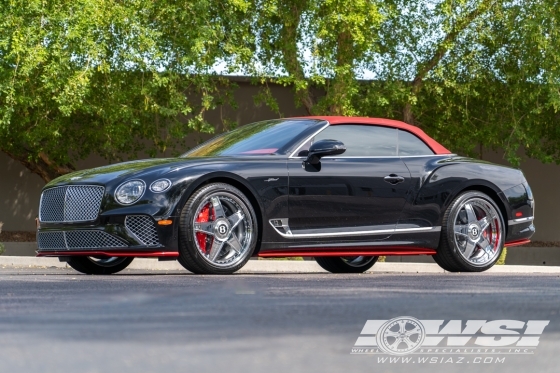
(205,215)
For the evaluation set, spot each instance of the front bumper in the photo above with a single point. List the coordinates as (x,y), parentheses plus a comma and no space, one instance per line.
(115,235)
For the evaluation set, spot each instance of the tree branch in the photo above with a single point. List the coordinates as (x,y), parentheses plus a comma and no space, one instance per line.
(44,167)
(440,52)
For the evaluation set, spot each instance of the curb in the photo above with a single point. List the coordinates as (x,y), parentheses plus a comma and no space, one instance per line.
(271,266)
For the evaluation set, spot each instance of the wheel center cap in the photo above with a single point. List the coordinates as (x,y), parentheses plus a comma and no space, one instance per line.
(474,231)
(221,229)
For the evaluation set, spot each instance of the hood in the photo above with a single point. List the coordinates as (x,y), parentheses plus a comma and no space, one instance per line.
(147,168)
(124,170)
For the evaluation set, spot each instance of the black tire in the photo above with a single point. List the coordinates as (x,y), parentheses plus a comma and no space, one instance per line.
(99,266)
(452,251)
(197,259)
(355,264)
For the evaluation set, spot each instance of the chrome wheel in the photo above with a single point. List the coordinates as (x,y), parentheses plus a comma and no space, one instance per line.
(358,261)
(478,231)
(223,229)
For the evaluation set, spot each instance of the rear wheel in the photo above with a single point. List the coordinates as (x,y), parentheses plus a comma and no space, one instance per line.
(473,234)
(218,231)
(346,264)
(99,265)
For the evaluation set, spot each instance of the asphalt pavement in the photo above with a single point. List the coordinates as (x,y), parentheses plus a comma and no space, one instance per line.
(56,320)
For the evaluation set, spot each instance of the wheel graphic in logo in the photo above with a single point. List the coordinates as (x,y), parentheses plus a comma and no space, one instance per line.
(401,335)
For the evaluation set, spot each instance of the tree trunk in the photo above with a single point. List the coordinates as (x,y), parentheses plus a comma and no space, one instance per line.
(289,50)
(43,166)
(344,73)
(408,116)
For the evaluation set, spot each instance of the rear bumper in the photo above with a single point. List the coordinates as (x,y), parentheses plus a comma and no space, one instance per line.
(519,233)
(520,230)
(521,214)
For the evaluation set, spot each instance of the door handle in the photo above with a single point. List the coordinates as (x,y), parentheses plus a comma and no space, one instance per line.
(393,179)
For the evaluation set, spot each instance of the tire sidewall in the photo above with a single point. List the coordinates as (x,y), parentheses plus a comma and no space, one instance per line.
(188,236)
(85,265)
(338,265)
(450,230)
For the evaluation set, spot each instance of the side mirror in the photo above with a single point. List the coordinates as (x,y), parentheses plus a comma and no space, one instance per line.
(324,148)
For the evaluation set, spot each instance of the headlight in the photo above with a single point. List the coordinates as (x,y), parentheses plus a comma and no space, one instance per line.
(160,185)
(130,192)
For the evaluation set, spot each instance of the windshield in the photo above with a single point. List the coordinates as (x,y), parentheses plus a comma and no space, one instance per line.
(269,137)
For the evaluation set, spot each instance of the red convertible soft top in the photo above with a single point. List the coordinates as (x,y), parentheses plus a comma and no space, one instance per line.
(433,144)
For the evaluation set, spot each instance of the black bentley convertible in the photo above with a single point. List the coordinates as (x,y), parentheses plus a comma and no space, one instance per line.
(342,190)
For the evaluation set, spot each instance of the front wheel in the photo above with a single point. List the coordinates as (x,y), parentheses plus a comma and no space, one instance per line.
(346,264)
(218,231)
(473,234)
(99,265)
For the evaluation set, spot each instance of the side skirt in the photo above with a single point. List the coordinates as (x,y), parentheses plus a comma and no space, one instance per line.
(349,251)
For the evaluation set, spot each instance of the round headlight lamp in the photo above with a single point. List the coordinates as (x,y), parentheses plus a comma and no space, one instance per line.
(160,185)
(130,192)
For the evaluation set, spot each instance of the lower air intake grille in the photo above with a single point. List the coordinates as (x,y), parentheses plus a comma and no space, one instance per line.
(51,240)
(71,240)
(143,228)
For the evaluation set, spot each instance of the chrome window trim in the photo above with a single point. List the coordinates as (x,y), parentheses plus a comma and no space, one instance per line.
(307,139)
(382,156)
(290,234)
(292,156)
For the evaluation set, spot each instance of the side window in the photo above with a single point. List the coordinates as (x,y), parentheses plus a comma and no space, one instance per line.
(409,144)
(361,140)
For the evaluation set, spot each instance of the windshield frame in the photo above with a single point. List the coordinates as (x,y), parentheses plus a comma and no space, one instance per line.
(286,150)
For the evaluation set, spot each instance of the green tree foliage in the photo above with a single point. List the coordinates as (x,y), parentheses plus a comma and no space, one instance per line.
(112,77)
(472,73)
(108,77)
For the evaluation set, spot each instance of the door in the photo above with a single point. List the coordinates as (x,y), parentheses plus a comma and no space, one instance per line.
(359,193)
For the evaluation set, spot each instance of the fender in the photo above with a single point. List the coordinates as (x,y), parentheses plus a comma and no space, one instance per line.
(204,178)
(438,180)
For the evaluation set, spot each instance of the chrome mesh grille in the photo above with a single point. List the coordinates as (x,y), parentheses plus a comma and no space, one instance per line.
(143,228)
(91,240)
(71,203)
(51,240)
(52,204)
(77,240)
